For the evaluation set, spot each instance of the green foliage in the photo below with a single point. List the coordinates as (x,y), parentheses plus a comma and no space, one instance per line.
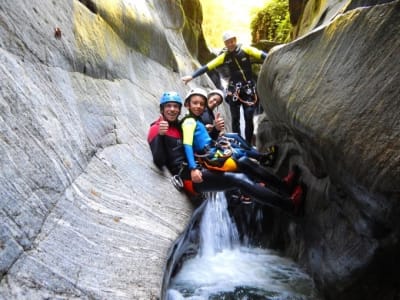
(222,15)
(272,22)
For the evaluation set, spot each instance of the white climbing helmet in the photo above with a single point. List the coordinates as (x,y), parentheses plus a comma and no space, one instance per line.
(218,92)
(227,35)
(196,91)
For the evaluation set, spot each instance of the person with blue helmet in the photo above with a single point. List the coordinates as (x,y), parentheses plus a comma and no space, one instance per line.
(165,140)
(164,136)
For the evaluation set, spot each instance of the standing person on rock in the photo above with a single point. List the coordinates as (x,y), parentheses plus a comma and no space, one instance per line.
(165,141)
(241,87)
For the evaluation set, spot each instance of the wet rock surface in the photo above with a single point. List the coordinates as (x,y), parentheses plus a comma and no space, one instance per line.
(332,103)
(85,214)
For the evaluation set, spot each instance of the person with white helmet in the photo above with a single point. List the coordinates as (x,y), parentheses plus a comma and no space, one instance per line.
(215,125)
(214,122)
(241,87)
(198,142)
(165,141)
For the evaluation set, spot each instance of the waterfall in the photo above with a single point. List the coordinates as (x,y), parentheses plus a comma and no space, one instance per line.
(217,230)
(226,269)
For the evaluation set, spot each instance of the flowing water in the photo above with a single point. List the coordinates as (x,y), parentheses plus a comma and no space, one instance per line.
(224,269)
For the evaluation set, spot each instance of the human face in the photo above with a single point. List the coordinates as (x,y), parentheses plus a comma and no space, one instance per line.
(171,111)
(197,104)
(213,101)
(230,44)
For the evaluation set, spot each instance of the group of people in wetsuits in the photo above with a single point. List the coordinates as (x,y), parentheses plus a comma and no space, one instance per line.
(174,144)
(203,159)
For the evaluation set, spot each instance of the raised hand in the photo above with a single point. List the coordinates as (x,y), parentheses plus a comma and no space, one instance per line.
(219,122)
(186,79)
(163,125)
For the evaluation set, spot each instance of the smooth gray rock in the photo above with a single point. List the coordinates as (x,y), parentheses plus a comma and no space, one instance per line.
(332,103)
(84,213)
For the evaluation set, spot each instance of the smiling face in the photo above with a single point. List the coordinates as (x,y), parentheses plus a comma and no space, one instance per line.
(196,105)
(214,100)
(230,44)
(171,111)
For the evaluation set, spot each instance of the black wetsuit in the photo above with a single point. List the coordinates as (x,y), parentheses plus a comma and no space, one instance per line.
(168,151)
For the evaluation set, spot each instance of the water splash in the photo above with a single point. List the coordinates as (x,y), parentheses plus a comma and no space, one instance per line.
(224,269)
(217,230)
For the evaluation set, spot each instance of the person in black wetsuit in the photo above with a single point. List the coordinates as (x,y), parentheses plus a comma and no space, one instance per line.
(215,126)
(241,89)
(213,122)
(165,141)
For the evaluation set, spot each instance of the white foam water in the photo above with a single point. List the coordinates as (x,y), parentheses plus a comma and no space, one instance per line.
(223,269)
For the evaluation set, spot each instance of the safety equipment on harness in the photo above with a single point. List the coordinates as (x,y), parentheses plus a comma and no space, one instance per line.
(227,35)
(243,90)
(171,97)
(176,180)
(218,156)
(196,91)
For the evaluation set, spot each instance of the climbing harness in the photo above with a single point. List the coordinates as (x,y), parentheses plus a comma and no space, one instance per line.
(176,180)
(218,156)
(247,89)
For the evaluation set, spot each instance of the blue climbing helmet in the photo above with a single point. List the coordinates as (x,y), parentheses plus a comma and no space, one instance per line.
(170,97)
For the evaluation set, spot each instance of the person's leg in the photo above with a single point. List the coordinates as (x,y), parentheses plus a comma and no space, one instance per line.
(225,181)
(238,140)
(258,172)
(235,116)
(263,174)
(249,124)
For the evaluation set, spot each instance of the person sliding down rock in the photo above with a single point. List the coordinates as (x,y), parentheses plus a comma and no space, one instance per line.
(165,141)
(222,154)
(215,126)
(207,178)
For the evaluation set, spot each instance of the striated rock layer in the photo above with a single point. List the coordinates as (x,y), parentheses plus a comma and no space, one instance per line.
(85,214)
(83,211)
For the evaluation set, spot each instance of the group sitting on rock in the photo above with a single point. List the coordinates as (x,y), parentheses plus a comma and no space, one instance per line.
(186,149)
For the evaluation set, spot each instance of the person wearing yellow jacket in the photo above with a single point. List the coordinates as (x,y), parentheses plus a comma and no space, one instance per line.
(241,87)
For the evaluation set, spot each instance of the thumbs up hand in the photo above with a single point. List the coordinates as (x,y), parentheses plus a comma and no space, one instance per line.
(219,122)
(163,125)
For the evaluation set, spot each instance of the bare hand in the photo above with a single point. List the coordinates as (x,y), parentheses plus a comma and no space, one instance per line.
(186,79)
(196,176)
(209,127)
(219,122)
(163,126)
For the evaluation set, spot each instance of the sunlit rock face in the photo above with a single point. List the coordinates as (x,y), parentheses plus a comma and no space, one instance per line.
(306,15)
(83,211)
(85,214)
(332,100)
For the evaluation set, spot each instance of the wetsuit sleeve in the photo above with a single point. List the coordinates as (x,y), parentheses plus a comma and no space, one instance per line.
(214,134)
(254,52)
(157,145)
(216,62)
(188,128)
